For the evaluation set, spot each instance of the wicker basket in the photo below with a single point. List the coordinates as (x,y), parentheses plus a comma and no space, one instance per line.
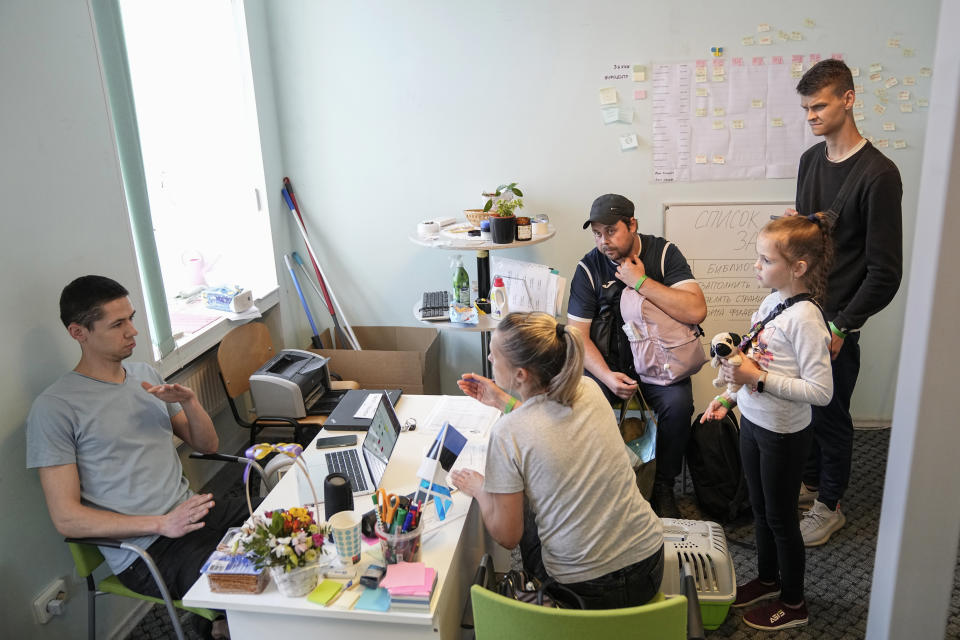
(476,216)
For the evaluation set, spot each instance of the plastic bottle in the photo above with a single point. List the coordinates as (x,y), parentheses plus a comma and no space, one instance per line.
(498,299)
(461,282)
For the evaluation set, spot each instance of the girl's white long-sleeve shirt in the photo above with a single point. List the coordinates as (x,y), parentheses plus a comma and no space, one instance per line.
(794,349)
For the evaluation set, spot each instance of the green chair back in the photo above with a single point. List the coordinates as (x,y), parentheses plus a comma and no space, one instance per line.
(499,618)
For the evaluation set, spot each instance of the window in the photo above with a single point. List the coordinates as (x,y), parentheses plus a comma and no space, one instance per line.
(182,94)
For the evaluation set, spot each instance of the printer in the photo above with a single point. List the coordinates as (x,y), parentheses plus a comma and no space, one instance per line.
(290,384)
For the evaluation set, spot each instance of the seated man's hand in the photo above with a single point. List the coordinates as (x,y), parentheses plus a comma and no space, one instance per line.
(169,392)
(622,385)
(630,271)
(187,516)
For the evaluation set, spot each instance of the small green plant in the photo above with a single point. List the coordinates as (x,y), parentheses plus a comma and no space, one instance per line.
(506,200)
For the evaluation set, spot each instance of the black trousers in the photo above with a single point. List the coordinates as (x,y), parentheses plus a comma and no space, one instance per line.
(673,405)
(179,560)
(773,464)
(831,455)
(629,586)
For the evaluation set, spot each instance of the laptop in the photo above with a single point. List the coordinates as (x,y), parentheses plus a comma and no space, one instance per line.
(347,416)
(363,464)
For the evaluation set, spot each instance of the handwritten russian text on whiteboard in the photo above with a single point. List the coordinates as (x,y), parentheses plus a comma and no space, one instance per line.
(719,242)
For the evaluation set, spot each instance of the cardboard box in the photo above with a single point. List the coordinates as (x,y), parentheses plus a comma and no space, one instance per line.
(405,358)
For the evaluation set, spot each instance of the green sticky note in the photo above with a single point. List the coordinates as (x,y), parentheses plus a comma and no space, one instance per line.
(324,592)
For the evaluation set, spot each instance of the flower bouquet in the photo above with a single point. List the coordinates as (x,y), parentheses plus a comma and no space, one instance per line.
(290,542)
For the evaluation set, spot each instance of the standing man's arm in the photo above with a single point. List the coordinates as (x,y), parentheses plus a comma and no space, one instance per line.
(883,249)
(73,519)
(192,425)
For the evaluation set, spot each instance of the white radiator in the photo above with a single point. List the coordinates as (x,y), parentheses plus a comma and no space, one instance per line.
(202,375)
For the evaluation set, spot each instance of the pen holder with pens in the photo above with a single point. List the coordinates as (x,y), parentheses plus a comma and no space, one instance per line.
(399,547)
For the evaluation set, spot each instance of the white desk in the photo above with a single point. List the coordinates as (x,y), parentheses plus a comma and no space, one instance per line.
(453,548)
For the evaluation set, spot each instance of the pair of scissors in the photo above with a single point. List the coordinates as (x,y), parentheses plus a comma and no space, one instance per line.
(388,506)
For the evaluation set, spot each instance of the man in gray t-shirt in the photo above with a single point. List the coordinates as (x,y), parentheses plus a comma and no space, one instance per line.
(101,438)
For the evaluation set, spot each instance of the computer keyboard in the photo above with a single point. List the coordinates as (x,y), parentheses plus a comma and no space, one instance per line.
(435,306)
(348,463)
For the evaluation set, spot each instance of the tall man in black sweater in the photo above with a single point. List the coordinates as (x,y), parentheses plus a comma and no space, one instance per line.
(865,275)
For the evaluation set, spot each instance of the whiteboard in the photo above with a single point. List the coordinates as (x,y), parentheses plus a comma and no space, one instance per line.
(719,241)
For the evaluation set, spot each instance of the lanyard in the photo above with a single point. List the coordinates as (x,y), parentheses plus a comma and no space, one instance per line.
(758,326)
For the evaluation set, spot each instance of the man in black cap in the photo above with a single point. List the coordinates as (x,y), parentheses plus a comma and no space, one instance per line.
(660,273)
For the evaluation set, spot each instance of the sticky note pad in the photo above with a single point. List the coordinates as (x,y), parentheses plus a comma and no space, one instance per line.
(640,94)
(608,95)
(373,600)
(324,592)
(628,142)
(610,115)
(347,599)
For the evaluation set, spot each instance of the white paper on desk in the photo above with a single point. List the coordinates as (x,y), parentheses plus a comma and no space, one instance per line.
(468,416)
(530,286)
(369,406)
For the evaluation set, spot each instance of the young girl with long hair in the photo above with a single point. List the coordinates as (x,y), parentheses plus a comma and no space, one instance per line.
(787,371)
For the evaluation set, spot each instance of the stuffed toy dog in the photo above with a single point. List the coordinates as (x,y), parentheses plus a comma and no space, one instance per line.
(725,346)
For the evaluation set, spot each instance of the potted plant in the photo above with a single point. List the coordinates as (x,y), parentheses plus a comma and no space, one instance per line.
(290,542)
(504,202)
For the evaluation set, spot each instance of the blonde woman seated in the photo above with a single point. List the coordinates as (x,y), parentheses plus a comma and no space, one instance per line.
(557,448)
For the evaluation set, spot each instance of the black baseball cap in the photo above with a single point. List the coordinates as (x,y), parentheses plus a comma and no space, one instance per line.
(610,209)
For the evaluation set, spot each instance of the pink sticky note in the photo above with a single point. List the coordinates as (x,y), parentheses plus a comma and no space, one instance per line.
(404,574)
(640,94)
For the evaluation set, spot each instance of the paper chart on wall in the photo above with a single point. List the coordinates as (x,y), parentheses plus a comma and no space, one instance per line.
(727,119)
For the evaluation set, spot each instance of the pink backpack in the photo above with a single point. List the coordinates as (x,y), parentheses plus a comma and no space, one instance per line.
(664,350)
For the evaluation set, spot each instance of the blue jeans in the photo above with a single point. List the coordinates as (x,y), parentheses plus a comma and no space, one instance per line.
(831,455)
(773,464)
(674,406)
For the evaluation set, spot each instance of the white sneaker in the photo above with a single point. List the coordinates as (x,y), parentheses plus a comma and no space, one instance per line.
(807,496)
(819,523)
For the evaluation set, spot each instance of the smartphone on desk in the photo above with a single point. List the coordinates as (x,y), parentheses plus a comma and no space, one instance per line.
(337,441)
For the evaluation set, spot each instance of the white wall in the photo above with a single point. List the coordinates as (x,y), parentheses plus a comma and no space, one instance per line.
(396,112)
(63,216)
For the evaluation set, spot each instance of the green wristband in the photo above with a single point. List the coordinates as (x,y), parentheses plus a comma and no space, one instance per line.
(724,402)
(835,331)
(511,403)
(640,282)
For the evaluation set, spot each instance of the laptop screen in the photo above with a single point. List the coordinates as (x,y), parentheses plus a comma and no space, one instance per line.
(384,429)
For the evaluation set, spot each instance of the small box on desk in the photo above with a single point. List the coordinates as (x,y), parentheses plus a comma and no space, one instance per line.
(405,358)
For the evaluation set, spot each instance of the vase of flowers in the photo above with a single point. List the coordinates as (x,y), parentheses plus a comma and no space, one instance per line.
(290,542)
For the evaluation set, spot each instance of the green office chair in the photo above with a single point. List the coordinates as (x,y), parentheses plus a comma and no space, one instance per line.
(501,618)
(496,617)
(87,557)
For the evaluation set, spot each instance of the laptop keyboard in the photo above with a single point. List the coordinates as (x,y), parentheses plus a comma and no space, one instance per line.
(348,463)
(435,304)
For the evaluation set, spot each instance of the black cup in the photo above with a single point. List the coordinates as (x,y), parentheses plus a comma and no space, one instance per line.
(337,494)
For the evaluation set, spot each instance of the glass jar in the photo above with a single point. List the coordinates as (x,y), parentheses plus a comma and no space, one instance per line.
(524,228)
(541,225)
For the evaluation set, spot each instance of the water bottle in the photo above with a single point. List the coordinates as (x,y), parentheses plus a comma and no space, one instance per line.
(461,282)
(498,299)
